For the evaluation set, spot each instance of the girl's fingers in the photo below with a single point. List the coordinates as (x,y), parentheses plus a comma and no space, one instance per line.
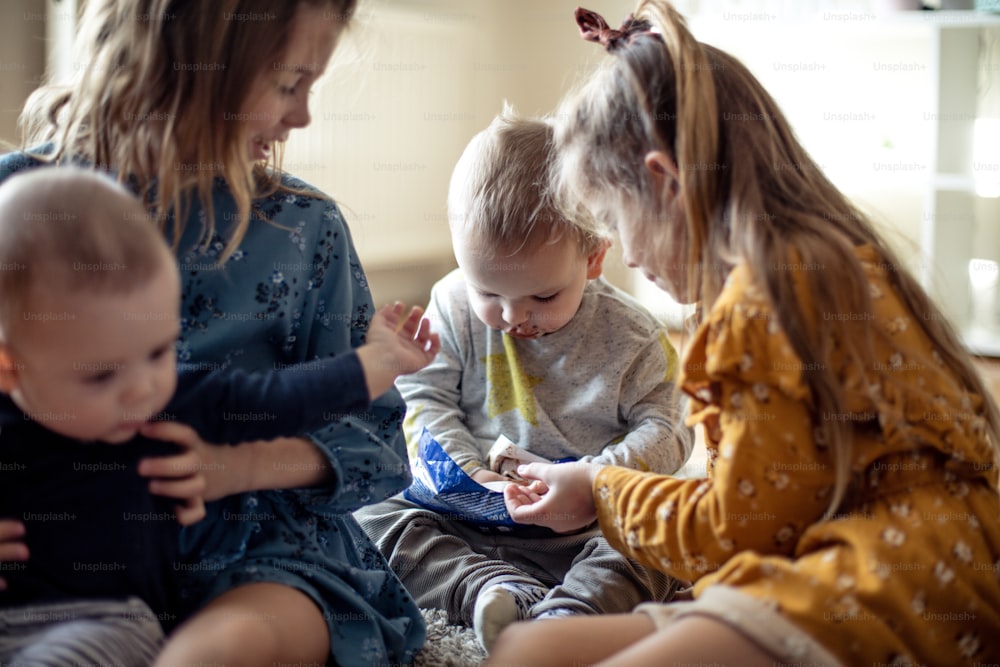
(190,512)
(532,470)
(13,551)
(538,487)
(170,467)
(10,529)
(394,316)
(413,322)
(10,548)
(182,488)
(520,496)
(186,463)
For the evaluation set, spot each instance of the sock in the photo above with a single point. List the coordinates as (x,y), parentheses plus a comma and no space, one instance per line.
(558,612)
(500,605)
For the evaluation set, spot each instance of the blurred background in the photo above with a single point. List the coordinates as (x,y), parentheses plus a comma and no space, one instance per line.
(899,105)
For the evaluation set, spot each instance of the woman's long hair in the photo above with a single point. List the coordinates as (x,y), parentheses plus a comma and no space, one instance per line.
(158,96)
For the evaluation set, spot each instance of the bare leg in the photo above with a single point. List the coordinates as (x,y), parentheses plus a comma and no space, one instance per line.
(568,642)
(694,640)
(255,624)
(627,640)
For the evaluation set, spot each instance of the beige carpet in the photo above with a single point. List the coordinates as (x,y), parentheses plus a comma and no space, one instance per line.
(448,645)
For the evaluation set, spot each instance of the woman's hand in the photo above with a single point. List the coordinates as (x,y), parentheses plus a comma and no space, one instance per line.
(12,548)
(559,496)
(192,476)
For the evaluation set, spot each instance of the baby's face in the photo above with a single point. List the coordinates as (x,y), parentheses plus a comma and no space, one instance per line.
(528,294)
(96,367)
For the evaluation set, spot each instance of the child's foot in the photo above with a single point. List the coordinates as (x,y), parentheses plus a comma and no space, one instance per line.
(499,606)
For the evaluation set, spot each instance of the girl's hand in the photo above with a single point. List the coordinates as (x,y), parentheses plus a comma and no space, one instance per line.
(396,345)
(519,498)
(406,341)
(559,497)
(183,476)
(12,548)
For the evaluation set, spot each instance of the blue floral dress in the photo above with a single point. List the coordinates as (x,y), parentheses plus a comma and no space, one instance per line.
(294,291)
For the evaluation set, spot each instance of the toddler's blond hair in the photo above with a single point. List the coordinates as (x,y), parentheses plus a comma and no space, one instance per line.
(500,200)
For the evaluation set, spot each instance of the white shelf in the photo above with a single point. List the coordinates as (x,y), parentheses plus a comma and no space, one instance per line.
(954,182)
(868,90)
(949,220)
(982,343)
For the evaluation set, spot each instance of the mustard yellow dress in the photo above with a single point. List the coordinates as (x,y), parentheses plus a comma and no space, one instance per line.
(909,571)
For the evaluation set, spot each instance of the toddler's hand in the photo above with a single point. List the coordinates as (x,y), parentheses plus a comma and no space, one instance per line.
(12,547)
(518,498)
(484,475)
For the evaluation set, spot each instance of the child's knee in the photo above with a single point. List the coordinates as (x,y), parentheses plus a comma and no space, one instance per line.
(223,637)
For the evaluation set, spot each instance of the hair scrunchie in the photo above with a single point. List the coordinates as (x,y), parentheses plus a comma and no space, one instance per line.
(594,28)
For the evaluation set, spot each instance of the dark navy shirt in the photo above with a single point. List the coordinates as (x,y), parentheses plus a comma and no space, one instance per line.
(92,527)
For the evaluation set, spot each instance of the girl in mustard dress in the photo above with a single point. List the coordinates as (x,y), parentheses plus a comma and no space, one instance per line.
(851,514)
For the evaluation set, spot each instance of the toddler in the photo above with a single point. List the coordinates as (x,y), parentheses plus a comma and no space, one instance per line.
(537,347)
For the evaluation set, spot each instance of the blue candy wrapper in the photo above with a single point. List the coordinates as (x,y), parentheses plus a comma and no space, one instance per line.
(441,485)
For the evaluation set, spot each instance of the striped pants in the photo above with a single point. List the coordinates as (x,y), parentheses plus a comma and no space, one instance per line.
(93,633)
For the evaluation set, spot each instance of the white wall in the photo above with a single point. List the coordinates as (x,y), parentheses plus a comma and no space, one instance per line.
(422,77)
(414,80)
(411,83)
(22,59)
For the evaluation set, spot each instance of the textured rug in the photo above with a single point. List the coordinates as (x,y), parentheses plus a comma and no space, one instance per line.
(448,645)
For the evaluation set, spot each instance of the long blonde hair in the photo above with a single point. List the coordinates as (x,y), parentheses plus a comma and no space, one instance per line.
(156,86)
(752,195)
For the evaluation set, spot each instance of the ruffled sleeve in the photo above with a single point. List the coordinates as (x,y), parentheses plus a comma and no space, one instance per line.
(768,479)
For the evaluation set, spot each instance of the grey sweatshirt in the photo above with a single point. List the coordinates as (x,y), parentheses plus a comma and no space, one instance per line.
(601,388)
